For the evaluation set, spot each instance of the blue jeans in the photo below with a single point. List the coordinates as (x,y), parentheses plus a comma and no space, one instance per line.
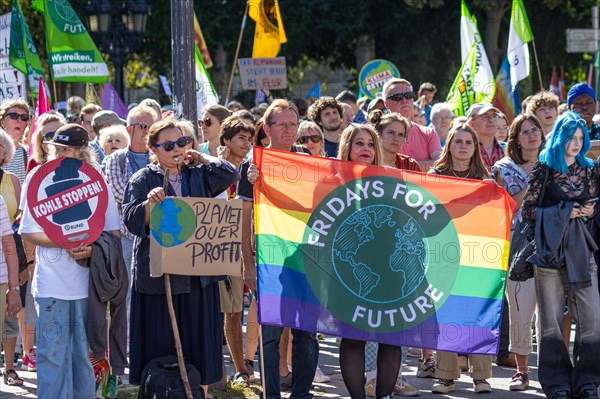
(305,356)
(556,372)
(64,369)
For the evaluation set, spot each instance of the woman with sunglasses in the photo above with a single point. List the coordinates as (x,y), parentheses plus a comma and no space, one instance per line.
(360,143)
(210,124)
(310,136)
(569,182)
(14,119)
(461,158)
(196,299)
(525,139)
(47,124)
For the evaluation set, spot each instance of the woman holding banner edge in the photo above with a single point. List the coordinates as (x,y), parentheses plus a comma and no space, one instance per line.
(361,144)
(196,299)
(461,158)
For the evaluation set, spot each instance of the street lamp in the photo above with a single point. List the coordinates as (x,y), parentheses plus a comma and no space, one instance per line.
(117,31)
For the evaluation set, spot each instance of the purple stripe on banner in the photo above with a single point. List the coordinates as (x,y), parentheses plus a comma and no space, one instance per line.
(449,336)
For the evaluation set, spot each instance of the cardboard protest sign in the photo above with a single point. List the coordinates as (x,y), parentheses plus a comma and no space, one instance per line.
(374,74)
(68,199)
(263,73)
(196,237)
(12,82)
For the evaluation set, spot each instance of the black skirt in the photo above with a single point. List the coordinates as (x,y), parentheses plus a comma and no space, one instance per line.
(200,325)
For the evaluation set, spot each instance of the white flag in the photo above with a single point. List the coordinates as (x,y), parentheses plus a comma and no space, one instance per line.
(205,91)
(518,37)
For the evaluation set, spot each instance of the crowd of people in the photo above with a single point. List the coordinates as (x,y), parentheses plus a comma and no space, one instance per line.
(539,158)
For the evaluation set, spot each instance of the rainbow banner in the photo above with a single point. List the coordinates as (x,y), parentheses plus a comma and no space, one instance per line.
(380,254)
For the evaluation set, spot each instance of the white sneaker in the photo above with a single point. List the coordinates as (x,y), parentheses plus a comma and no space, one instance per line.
(321,377)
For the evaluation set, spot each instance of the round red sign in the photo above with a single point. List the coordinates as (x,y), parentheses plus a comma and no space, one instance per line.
(68,199)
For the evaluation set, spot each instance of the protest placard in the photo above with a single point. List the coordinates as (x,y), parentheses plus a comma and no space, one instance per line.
(374,74)
(263,73)
(68,199)
(12,82)
(196,237)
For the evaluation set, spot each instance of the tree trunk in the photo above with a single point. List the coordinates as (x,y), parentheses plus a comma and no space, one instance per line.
(494,10)
(220,72)
(365,50)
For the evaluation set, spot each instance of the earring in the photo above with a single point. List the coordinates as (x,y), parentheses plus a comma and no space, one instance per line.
(519,146)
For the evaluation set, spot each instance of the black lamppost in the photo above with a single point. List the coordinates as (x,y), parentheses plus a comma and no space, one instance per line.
(117,31)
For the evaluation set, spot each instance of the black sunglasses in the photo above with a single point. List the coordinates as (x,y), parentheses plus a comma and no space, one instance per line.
(142,125)
(315,138)
(14,116)
(170,145)
(49,135)
(206,121)
(409,95)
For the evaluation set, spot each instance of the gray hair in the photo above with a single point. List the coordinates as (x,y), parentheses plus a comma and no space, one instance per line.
(8,145)
(439,107)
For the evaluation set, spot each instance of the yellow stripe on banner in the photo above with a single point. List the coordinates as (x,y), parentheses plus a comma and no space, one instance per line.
(471,250)
(289,225)
(487,252)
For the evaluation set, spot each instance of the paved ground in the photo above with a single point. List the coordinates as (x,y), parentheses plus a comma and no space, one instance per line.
(335,389)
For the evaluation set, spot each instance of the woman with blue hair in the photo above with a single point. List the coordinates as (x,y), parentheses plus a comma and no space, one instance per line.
(567,183)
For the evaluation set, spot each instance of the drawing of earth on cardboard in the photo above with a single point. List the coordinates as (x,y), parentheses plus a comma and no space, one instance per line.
(172,222)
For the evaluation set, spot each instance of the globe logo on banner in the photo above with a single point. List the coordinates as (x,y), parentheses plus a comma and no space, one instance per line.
(68,199)
(373,76)
(172,222)
(370,241)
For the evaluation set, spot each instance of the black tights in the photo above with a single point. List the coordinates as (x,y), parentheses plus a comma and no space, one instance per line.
(352,363)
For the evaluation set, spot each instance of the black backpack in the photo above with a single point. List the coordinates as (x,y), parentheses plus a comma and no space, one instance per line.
(161,380)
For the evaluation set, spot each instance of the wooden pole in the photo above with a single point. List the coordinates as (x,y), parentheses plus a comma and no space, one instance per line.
(537,62)
(178,347)
(237,52)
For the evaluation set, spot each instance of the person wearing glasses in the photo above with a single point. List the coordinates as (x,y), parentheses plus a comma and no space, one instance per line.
(422,143)
(122,164)
(210,125)
(569,182)
(14,119)
(525,139)
(46,125)
(310,136)
(196,298)
(483,117)
(441,120)
(582,100)
(281,125)
(327,113)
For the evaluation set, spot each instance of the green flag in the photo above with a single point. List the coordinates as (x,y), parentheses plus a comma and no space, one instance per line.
(72,54)
(23,55)
(462,94)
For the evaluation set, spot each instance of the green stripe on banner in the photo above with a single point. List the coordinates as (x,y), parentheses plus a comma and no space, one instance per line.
(479,282)
(273,250)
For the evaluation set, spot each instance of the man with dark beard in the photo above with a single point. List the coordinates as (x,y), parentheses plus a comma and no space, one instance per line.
(327,113)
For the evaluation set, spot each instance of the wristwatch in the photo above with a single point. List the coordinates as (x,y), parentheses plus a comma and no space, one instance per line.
(16,288)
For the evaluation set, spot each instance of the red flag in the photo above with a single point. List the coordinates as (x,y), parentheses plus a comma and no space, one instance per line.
(554,81)
(41,107)
(561,85)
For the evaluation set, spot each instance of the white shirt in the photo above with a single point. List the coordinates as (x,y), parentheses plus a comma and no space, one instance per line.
(57,275)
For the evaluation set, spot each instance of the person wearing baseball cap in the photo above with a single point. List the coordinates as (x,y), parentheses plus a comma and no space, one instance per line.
(482,118)
(582,100)
(71,141)
(60,281)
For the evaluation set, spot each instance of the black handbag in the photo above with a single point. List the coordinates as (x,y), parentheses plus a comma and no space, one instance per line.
(522,243)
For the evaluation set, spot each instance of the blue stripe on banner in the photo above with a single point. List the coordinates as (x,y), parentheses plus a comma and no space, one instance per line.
(461,310)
